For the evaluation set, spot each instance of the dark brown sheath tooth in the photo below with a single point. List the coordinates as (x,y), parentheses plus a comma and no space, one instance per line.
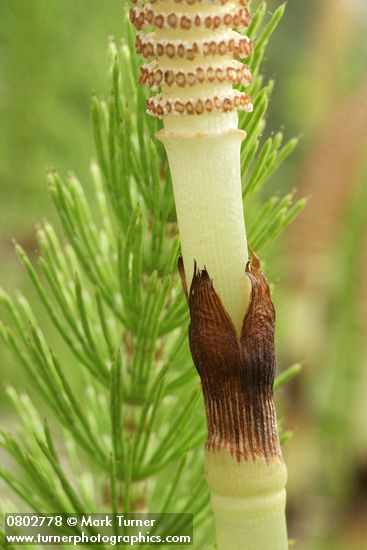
(237,373)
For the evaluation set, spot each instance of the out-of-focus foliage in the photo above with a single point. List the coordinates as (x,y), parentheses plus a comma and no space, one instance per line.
(44,112)
(43,89)
(320,61)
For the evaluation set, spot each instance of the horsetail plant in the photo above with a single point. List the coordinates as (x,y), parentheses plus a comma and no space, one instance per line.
(125,424)
(194,50)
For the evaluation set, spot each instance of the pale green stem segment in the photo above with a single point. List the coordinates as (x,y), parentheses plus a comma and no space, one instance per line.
(248,500)
(204,157)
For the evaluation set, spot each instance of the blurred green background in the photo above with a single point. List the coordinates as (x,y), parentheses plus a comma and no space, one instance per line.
(53,54)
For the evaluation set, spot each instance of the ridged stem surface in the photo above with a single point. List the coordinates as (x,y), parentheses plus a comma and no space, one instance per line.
(248,500)
(207,187)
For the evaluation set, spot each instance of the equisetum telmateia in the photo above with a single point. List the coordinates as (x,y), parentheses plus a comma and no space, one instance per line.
(192,55)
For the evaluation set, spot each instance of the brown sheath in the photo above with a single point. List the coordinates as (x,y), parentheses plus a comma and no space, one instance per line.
(237,373)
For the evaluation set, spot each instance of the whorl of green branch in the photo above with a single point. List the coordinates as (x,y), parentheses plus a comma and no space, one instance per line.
(111,367)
